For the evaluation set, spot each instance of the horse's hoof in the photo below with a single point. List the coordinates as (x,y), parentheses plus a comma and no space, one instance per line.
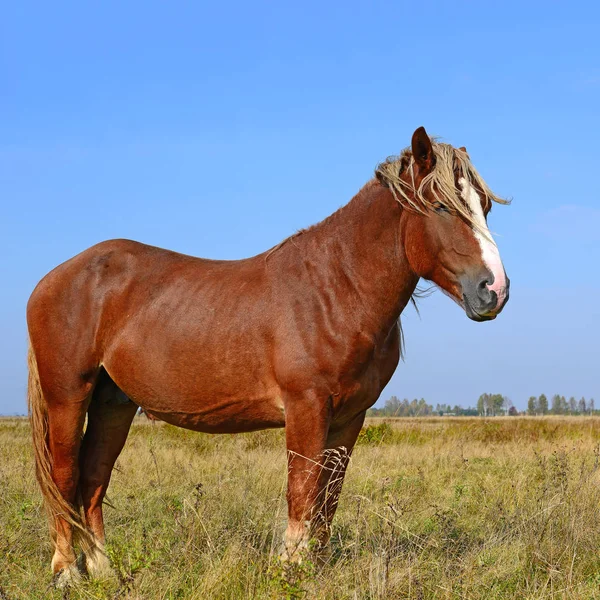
(293,551)
(98,566)
(67,577)
(303,550)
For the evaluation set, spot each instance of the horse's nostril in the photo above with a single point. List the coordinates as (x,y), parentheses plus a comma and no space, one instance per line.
(485,295)
(482,286)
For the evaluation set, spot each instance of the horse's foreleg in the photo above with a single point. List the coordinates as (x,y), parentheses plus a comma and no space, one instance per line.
(108,426)
(307,419)
(339,446)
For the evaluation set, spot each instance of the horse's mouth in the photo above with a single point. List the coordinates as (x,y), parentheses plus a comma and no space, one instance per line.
(473,314)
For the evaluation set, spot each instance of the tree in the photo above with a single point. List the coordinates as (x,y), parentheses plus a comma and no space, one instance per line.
(543,404)
(564,405)
(532,405)
(405,408)
(591,406)
(572,405)
(555,410)
(581,407)
(497,404)
(512,411)
(392,407)
(422,408)
(483,405)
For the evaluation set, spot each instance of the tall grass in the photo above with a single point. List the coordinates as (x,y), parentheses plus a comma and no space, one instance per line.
(431,508)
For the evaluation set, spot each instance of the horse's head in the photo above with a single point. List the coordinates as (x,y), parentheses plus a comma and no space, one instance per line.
(444,225)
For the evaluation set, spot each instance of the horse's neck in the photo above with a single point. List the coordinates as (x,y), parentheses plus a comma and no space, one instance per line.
(358,257)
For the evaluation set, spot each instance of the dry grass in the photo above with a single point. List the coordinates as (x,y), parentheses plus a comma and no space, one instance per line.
(432,508)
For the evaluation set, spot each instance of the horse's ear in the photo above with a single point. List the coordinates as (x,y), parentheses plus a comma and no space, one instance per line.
(463,149)
(422,150)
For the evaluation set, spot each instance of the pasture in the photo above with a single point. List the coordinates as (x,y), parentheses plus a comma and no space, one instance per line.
(431,508)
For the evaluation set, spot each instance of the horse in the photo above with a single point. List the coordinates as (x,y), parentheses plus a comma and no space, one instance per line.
(304,336)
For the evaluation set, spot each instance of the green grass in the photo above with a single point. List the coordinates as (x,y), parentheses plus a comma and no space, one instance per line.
(432,508)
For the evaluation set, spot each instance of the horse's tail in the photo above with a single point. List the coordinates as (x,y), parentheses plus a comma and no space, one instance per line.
(55,504)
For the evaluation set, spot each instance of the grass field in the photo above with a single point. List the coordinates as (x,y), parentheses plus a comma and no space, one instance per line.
(431,508)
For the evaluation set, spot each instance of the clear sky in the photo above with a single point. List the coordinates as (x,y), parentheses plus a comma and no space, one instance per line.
(217,129)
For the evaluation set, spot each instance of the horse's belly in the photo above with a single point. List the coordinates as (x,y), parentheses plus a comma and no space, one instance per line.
(231,416)
(194,386)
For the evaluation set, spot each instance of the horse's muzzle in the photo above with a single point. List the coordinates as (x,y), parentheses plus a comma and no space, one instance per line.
(480,301)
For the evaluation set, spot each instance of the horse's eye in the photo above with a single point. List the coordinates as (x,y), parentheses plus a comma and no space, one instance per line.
(440,208)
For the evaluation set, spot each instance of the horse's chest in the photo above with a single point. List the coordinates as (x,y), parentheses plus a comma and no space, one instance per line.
(360,386)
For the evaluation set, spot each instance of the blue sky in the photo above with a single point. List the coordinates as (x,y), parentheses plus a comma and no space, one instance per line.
(217,129)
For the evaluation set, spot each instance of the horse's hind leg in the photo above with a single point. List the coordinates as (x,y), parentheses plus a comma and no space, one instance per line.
(65,426)
(109,418)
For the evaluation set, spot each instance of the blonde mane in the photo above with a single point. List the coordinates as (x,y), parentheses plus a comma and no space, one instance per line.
(451,165)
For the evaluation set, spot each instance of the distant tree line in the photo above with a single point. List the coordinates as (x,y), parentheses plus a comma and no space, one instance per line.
(538,405)
(456,410)
(488,405)
(394,407)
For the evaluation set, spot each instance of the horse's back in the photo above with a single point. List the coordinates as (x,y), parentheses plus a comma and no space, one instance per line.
(117,282)
(123,266)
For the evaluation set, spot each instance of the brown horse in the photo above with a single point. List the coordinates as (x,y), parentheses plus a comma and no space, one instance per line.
(304,336)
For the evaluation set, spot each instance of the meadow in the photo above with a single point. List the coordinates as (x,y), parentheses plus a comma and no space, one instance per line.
(443,508)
